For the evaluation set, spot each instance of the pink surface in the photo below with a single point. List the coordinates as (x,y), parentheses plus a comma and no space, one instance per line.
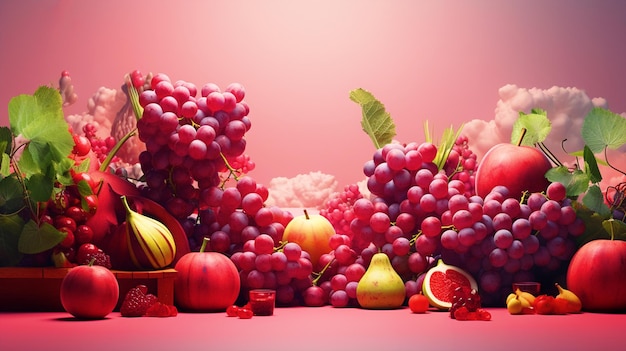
(308,328)
(442,61)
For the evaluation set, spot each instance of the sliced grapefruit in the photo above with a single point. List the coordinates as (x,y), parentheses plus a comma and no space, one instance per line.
(440,282)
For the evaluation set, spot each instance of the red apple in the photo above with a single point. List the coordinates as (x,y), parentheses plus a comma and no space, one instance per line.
(518,168)
(89,292)
(597,275)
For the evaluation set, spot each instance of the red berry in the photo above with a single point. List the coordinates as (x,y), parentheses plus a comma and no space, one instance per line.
(82,146)
(83,234)
(159,309)
(137,302)
(245,313)
(69,238)
(232,311)
(483,315)
(461,313)
(418,303)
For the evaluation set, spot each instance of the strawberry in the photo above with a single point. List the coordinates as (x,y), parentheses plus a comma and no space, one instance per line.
(137,301)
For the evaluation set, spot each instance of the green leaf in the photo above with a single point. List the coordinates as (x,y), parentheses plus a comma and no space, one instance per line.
(615,228)
(376,122)
(39,119)
(6,140)
(11,195)
(603,128)
(35,239)
(5,167)
(576,182)
(446,144)
(581,153)
(10,229)
(594,200)
(536,124)
(39,187)
(593,224)
(591,166)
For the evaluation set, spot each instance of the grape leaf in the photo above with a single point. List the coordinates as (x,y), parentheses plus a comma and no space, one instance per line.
(11,195)
(576,182)
(10,228)
(39,119)
(39,187)
(376,122)
(6,139)
(536,124)
(594,200)
(591,166)
(581,153)
(603,128)
(615,228)
(593,224)
(35,239)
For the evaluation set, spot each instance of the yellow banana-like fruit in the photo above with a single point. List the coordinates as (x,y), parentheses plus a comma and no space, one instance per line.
(150,243)
(526,295)
(510,297)
(574,305)
(514,305)
(525,303)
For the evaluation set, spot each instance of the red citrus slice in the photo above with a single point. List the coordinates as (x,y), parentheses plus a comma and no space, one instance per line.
(440,282)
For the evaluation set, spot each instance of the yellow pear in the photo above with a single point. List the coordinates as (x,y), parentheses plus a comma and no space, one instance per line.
(380,287)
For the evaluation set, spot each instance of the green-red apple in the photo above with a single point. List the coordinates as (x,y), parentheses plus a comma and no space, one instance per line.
(519,168)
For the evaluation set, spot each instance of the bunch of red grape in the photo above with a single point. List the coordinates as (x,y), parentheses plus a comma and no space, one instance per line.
(195,143)
(263,265)
(419,212)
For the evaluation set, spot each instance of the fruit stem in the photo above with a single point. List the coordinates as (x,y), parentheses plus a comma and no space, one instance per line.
(205,241)
(521,137)
(107,161)
(125,203)
(306,214)
(91,261)
(321,273)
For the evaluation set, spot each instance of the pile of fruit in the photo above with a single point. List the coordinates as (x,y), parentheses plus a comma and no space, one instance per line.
(437,223)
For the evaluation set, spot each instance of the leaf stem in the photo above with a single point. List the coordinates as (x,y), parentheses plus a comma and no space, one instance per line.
(606,158)
(549,154)
(107,161)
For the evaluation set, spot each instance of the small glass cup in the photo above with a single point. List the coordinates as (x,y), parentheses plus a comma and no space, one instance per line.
(262,301)
(529,287)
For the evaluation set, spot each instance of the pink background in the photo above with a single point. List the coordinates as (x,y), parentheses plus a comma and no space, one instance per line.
(441,61)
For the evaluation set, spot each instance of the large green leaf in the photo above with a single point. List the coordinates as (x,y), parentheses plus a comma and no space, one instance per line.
(39,119)
(35,239)
(603,128)
(536,125)
(10,228)
(376,122)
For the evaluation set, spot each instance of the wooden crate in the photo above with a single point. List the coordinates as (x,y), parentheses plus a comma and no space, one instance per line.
(37,289)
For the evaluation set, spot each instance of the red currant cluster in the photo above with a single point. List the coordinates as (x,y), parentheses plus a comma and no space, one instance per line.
(466,305)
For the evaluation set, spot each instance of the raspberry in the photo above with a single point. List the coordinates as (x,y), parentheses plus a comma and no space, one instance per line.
(160,309)
(137,302)
(87,252)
